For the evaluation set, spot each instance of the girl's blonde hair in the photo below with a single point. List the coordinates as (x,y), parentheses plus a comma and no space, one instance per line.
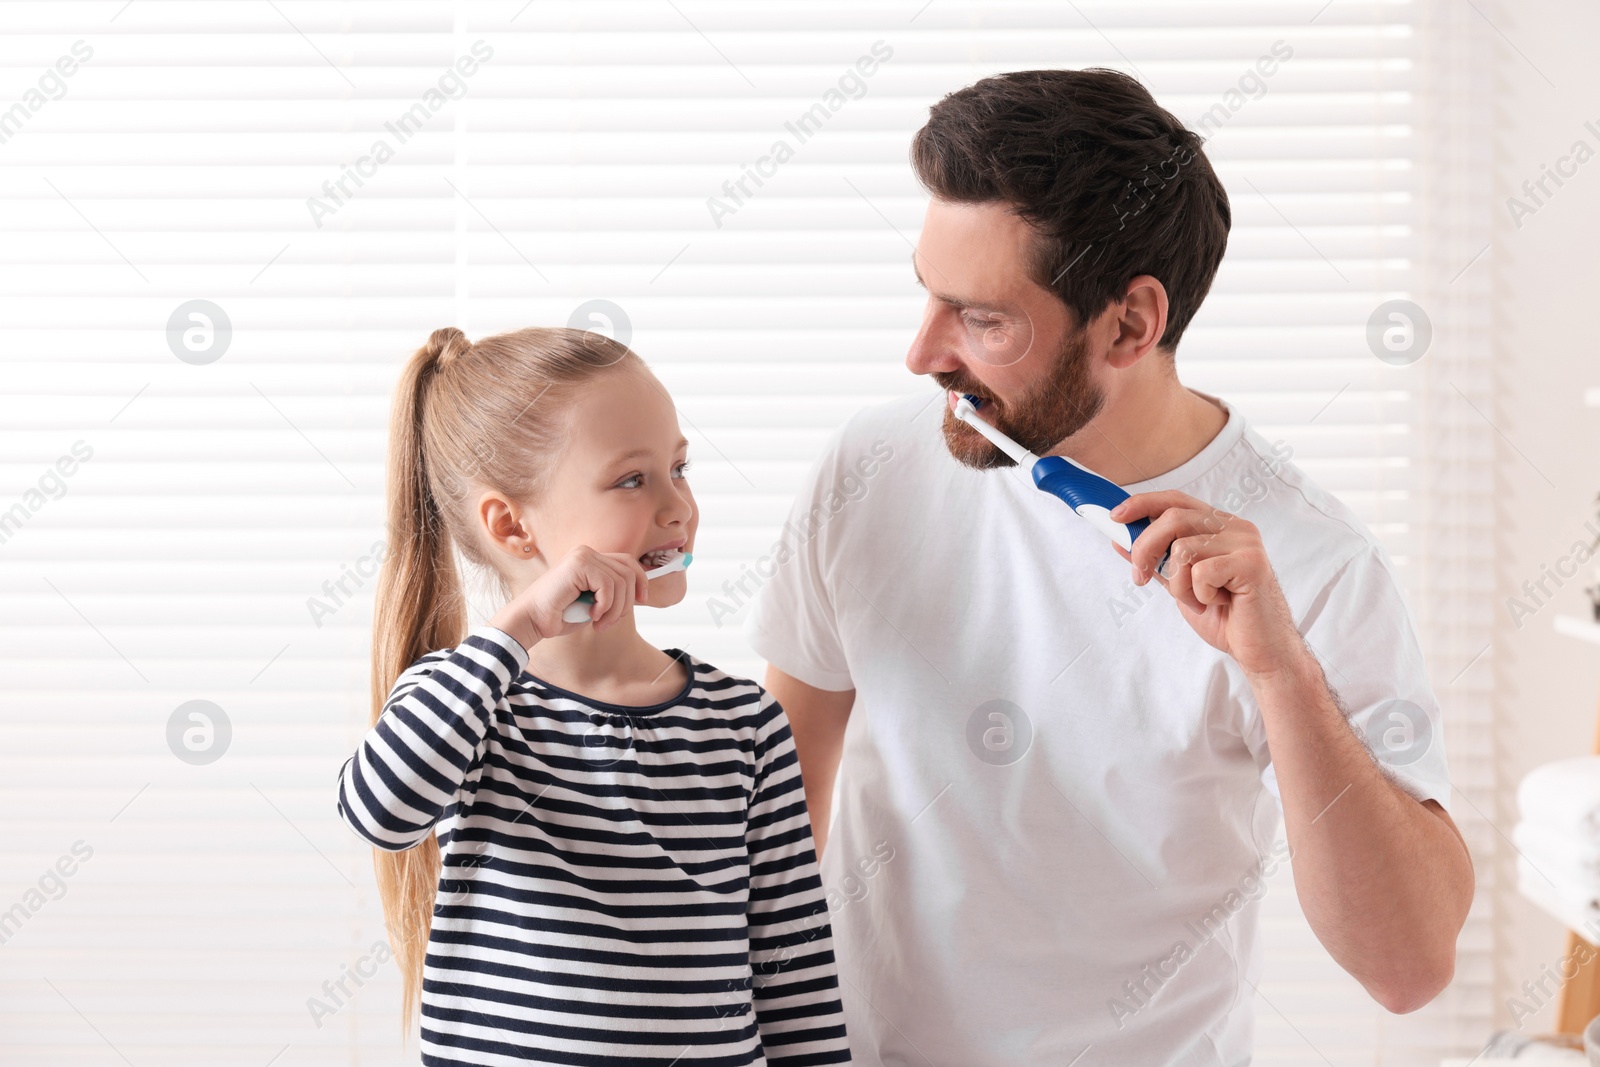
(466,418)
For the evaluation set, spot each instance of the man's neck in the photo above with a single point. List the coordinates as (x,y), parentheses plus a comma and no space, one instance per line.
(1150,425)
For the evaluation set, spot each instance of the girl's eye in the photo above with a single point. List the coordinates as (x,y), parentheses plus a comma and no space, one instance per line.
(634,478)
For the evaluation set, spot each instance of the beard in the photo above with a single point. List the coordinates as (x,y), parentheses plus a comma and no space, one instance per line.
(1058,407)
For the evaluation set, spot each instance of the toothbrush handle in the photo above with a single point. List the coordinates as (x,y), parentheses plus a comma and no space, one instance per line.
(1092,497)
(578,610)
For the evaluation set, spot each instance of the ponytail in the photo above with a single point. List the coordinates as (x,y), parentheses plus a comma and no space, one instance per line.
(419,607)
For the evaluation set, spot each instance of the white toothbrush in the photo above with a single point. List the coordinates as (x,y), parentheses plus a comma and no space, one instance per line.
(578,610)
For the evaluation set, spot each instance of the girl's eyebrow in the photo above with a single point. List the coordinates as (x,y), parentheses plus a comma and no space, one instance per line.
(683,442)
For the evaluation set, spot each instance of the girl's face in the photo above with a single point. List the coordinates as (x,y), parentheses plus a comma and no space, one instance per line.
(621,485)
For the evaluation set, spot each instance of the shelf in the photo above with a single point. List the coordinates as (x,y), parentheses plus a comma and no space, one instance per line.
(1579,627)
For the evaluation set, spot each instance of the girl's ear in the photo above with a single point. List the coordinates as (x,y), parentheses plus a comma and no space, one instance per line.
(507,526)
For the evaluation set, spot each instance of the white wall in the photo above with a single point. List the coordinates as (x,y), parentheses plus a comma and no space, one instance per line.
(1547,276)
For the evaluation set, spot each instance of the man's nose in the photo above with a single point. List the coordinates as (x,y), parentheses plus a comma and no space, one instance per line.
(933,348)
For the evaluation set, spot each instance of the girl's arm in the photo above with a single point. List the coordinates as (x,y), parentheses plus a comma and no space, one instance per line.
(430,736)
(795,978)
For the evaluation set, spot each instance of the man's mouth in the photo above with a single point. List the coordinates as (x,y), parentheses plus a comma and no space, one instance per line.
(953,396)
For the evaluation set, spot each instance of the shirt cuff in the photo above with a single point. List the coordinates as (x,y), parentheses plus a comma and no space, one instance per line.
(514,652)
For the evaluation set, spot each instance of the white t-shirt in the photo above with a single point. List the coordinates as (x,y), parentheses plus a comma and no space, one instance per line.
(1056,804)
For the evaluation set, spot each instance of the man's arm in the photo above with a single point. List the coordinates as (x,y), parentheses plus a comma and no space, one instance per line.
(817,718)
(1385,881)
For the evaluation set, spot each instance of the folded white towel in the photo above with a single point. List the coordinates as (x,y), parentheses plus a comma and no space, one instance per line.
(1580,856)
(1562,881)
(1563,796)
(1570,908)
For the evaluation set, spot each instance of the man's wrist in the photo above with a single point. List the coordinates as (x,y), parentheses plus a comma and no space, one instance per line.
(1298,670)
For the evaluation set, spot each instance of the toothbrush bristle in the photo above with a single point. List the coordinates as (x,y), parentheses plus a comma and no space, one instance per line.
(974,401)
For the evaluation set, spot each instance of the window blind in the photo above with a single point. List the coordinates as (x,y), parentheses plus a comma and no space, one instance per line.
(229,223)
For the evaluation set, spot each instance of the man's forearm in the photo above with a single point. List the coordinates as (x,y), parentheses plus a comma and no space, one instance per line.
(1384,880)
(818,776)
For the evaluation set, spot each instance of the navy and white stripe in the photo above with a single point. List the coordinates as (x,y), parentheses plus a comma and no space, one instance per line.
(620,886)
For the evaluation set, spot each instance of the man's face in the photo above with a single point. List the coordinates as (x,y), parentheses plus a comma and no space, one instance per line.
(991,331)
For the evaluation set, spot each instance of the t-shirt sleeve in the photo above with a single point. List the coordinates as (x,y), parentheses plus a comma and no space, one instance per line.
(428,740)
(1361,632)
(792,623)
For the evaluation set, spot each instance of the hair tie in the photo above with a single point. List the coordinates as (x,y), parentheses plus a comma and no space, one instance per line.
(448,344)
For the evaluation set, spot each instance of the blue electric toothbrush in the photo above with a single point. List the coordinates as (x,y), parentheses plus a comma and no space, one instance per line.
(1084,491)
(578,610)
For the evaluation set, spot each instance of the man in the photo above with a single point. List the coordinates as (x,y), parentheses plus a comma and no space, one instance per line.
(1055,781)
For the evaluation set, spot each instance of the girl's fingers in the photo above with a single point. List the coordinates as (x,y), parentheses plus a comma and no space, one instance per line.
(614,600)
(626,585)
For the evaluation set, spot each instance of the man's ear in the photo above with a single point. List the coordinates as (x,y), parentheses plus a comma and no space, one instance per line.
(1137,321)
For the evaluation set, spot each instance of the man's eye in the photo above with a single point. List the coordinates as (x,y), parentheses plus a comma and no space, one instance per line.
(979,322)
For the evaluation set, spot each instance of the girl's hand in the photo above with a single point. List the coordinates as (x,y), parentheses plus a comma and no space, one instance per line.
(617,580)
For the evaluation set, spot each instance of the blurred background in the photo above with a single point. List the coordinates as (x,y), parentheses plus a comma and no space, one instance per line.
(227,224)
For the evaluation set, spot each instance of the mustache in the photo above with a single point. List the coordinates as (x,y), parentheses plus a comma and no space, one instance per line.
(950,381)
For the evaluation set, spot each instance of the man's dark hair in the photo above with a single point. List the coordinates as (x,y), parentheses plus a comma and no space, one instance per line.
(1113,185)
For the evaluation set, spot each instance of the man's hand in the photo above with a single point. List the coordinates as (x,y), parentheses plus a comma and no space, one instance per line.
(1220,577)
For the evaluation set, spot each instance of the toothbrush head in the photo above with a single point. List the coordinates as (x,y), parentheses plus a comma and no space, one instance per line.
(966,409)
(679,560)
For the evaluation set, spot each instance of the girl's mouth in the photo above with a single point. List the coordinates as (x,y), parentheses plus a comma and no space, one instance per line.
(651,560)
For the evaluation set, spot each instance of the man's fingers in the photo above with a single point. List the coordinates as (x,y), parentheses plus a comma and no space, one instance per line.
(1185,553)
(1207,527)
(1144,505)
(1157,538)
(1157,575)
(1211,577)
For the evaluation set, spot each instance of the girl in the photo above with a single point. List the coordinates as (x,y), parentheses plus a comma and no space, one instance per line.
(623,871)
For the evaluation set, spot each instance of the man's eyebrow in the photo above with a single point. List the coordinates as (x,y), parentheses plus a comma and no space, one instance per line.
(953,301)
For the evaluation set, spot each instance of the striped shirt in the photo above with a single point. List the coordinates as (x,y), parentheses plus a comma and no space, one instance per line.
(620,886)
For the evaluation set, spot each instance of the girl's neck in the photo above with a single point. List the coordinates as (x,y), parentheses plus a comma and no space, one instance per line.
(615,667)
